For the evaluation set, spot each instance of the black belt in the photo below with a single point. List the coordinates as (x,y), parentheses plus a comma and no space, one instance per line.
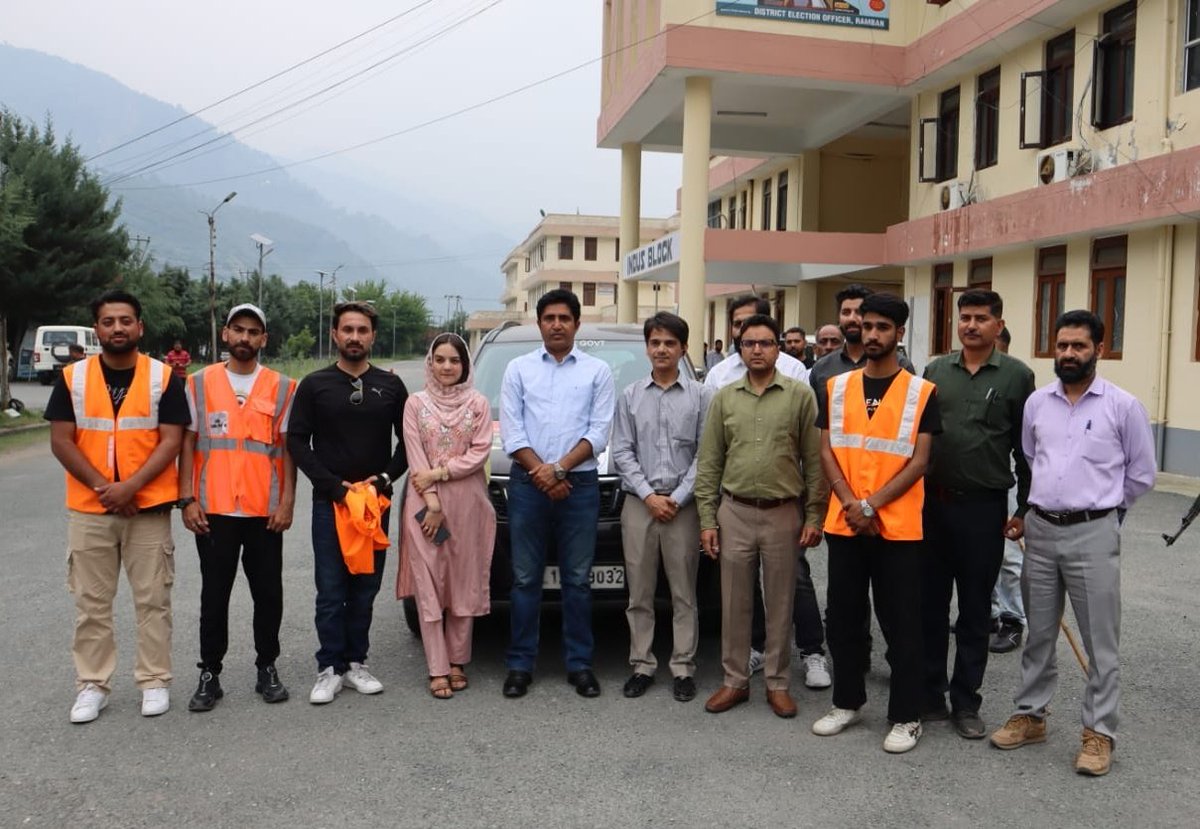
(1066,519)
(759,503)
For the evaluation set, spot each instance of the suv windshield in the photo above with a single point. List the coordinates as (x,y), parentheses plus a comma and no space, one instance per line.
(56,337)
(626,358)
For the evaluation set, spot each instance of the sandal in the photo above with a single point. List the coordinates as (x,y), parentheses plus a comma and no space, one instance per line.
(458,679)
(440,687)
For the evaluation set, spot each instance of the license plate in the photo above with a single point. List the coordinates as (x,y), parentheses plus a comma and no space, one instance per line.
(603,577)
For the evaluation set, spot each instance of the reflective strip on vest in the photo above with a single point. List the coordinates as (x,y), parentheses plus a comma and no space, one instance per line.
(837,416)
(78,398)
(905,443)
(156,393)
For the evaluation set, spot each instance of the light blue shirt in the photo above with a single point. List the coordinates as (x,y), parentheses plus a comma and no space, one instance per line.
(548,406)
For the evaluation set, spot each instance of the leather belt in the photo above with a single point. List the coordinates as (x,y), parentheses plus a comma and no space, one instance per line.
(759,503)
(1067,519)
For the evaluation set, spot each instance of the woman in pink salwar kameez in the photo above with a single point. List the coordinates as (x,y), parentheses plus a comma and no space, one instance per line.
(448,434)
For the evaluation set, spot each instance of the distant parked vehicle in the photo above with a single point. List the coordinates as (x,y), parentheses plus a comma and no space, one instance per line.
(51,348)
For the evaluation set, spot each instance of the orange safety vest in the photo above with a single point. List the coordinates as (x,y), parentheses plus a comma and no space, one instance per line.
(122,443)
(238,462)
(872,450)
(359,522)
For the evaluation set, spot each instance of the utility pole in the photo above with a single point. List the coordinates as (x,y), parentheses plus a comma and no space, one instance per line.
(261,242)
(212,273)
(321,337)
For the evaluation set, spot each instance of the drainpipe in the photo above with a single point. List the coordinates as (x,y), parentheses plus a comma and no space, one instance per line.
(1167,275)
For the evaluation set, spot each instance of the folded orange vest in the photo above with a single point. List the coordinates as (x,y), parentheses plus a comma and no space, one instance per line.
(359,519)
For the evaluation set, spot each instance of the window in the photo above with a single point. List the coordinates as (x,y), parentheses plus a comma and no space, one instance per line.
(566,286)
(1108,290)
(1112,93)
(987,119)
(1051,286)
(526,264)
(766,204)
(589,248)
(1191,46)
(742,210)
(947,135)
(732,223)
(714,213)
(979,276)
(1046,96)
(617,249)
(943,307)
(589,293)
(566,247)
(781,193)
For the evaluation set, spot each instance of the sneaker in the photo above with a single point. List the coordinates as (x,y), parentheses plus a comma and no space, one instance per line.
(903,737)
(207,693)
(269,685)
(757,660)
(1021,729)
(816,671)
(360,679)
(89,702)
(836,721)
(1095,755)
(155,701)
(1007,635)
(326,688)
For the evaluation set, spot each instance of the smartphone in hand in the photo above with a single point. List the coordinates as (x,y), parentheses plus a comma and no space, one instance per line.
(442,533)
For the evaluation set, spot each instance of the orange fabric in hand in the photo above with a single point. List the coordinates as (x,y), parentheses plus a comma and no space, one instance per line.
(359,519)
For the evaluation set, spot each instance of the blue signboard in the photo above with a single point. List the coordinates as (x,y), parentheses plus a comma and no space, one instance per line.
(864,14)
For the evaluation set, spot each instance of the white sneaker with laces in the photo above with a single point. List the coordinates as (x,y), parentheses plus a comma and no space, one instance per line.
(816,671)
(757,660)
(155,701)
(89,702)
(836,721)
(329,682)
(360,679)
(903,737)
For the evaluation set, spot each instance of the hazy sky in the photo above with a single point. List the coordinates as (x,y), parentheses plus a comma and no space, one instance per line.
(534,150)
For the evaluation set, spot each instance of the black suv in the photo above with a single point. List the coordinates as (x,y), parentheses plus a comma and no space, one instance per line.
(623,347)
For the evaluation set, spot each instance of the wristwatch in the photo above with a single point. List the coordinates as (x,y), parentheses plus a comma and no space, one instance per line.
(559,472)
(383,476)
(868,510)
(184,502)
(445,473)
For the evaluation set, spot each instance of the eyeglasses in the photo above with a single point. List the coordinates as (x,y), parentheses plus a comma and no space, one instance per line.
(356,396)
(750,345)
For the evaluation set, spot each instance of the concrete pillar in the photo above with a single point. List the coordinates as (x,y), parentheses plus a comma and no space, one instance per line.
(631,225)
(808,192)
(693,200)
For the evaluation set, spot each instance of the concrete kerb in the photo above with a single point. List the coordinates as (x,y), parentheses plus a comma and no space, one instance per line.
(16,430)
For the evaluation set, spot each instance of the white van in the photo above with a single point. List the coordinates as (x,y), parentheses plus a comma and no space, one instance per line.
(51,346)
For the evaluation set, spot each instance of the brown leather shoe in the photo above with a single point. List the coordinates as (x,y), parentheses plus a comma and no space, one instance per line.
(1095,756)
(1021,729)
(781,703)
(726,698)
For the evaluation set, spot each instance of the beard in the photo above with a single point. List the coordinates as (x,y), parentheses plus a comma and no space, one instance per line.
(1074,372)
(852,335)
(245,353)
(109,347)
(359,353)
(880,351)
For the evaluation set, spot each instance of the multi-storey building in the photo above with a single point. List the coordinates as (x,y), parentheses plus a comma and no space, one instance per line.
(1049,149)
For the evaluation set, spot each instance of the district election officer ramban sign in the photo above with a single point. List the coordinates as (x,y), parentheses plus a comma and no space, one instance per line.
(869,14)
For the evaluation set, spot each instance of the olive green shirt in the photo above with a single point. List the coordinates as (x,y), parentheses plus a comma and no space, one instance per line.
(762,446)
(980,444)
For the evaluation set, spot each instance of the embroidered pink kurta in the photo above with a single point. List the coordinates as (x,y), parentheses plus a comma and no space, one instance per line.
(452,576)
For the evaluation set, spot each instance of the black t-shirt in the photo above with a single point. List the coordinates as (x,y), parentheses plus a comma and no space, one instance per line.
(874,389)
(332,439)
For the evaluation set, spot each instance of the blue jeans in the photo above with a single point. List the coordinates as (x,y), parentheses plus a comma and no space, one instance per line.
(533,520)
(344,602)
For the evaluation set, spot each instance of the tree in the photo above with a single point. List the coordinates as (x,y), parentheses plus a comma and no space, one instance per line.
(299,345)
(16,213)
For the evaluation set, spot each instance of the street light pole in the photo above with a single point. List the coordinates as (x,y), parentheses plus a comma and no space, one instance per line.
(320,315)
(212,273)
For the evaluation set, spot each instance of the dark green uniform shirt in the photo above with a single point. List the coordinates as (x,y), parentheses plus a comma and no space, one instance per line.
(980,444)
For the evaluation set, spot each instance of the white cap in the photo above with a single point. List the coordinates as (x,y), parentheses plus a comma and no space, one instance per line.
(247,308)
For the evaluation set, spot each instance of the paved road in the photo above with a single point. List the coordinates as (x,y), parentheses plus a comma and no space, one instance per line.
(403,758)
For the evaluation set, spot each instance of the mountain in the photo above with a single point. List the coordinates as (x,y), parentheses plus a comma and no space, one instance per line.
(317,217)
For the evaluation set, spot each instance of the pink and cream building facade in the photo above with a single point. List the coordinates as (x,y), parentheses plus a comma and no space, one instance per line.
(1048,149)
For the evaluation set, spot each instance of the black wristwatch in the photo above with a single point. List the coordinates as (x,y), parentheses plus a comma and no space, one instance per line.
(184,502)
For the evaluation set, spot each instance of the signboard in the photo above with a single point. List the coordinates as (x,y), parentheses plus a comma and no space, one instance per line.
(863,14)
(652,257)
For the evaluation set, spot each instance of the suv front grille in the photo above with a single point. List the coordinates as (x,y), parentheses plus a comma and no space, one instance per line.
(611,498)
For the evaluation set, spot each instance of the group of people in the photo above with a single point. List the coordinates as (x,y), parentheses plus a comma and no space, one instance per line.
(907,479)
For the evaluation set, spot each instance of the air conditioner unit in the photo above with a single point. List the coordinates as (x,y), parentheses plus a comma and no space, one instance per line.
(1056,165)
(955,194)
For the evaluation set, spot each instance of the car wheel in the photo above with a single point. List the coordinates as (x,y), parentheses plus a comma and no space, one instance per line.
(411,618)
(45,377)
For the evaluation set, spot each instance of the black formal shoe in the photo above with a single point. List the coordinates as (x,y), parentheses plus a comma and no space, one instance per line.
(685,689)
(207,693)
(517,683)
(935,713)
(585,683)
(269,686)
(968,725)
(636,685)
(1007,636)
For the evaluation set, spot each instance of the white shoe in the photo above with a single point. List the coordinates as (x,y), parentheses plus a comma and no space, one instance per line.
(89,702)
(903,737)
(836,721)
(816,671)
(757,660)
(326,688)
(155,701)
(360,679)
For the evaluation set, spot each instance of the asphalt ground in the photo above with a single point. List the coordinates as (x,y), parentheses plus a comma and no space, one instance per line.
(403,758)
